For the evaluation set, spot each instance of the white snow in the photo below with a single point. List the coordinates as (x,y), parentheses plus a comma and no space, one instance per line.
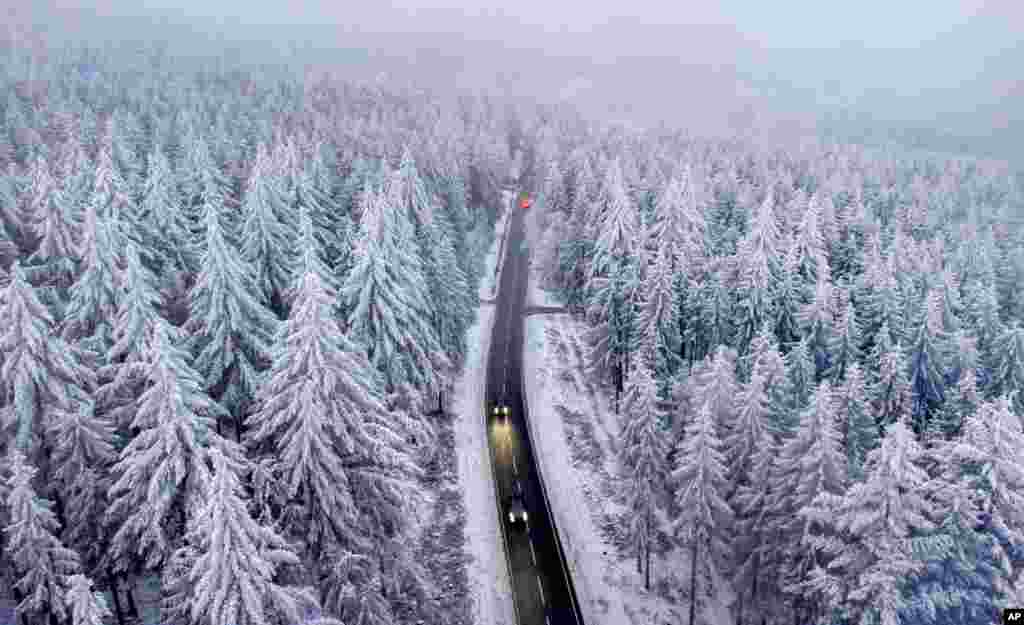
(488,569)
(488,284)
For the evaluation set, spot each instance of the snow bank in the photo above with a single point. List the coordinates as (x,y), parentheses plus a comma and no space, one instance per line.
(488,569)
(488,282)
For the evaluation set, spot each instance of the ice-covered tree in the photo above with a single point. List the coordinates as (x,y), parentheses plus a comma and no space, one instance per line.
(229,330)
(93,298)
(320,418)
(644,453)
(227,571)
(55,224)
(657,323)
(758,268)
(267,242)
(926,355)
(705,518)
(748,430)
(809,464)
(612,315)
(162,471)
(162,229)
(40,373)
(816,318)
(809,245)
(679,223)
(122,376)
(385,295)
(877,299)
(845,339)
(868,543)
(617,229)
(790,295)
(31,542)
(454,299)
(1008,367)
(888,385)
(85,605)
(857,423)
(714,384)
(713,304)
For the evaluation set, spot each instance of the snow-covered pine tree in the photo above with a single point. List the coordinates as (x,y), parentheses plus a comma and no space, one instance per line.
(877,298)
(226,572)
(16,220)
(789,297)
(817,319)
(616,232)
(339,458)
(809,245)
(1008,367)
(705,519)
(714,386)
(40,372)
(860,434)
(846,338)
(93,298)
(385,295)
(52,264)
(657,323)
(747,432)
(83,450)
(712,301)
(122,376)
(162,228)
(1008,280)
(84,605)
(868,533)
(644,452)
(809,464)
(267,242)
(455,299)
(679,223)
(927,348)
(758,269)
(229,330)
(162,472)
(40,560)
(756,555)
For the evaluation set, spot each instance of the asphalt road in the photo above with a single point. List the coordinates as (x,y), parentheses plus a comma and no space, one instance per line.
(540,581)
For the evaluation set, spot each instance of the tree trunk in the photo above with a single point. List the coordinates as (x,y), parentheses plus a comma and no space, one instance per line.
(239,425)
(129,594)
(115,595)
(693,582)
(647,580)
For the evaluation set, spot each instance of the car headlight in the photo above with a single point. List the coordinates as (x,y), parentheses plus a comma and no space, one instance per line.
(511,517)
(524,515)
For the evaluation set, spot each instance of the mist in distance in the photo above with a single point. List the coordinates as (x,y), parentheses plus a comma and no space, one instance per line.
(939,74)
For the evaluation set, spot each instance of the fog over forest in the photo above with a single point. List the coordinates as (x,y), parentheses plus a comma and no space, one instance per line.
(942,75)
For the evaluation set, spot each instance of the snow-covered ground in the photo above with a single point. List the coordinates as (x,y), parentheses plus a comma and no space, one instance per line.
(575,435)
(488,568)
(488,283)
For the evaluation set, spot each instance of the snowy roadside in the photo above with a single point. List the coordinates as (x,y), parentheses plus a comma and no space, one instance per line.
(488,281)
(488,571)
(575,434)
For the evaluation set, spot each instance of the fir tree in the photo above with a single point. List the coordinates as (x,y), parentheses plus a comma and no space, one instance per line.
(816,319)
(846,339)
(40,560)
(748,431)
(162,227)
(163,470)
(644,452)
(809,464)
(92,306)
(229,330)
(705,518)
(267,241)
(860,434)
(658,325)
(40,372)
(55,223)
(85,606)
(321,419)
(384,294)
(926,357)
(868,548)
(1008,367)
(758,270)
(230,562)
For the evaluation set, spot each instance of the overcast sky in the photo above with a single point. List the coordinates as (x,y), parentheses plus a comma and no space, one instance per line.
(942,62)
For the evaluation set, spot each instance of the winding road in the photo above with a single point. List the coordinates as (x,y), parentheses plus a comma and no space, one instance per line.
(543,589)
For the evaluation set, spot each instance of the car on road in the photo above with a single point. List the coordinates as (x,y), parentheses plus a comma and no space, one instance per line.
(501,411)
(525,201)
(517,506)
